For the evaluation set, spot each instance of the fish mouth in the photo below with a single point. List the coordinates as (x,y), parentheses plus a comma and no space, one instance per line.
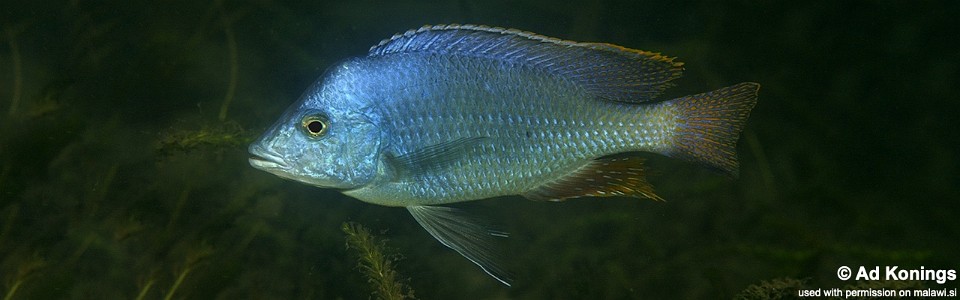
(266,160)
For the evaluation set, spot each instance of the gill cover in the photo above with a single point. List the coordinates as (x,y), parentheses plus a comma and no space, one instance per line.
(327,139)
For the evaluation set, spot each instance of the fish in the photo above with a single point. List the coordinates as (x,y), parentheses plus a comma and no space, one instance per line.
(452,113)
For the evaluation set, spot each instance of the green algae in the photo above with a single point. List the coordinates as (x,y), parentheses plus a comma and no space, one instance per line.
(375,263)
(226,135)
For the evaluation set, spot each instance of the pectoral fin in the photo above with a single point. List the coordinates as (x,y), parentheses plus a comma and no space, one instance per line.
(434,157)
(463,234)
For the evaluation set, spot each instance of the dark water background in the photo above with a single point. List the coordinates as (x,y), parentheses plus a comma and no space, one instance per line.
(118,174)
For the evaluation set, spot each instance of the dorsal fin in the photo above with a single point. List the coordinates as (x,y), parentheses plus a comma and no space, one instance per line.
(603,177)
(609,71)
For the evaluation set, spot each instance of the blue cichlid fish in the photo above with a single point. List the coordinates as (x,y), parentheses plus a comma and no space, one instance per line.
(453,113)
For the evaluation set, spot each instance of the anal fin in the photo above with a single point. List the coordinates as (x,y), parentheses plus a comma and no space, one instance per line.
(603,177)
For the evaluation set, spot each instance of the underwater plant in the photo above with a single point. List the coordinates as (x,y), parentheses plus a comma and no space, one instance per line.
(194,257)
(225,135)
(234,64)
(375,264)
(780,288)
(17,70)
(28,267)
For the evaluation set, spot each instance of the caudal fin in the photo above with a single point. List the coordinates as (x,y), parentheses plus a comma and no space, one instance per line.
(709,124)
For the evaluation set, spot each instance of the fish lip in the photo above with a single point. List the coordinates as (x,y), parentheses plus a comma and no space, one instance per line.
(266,160)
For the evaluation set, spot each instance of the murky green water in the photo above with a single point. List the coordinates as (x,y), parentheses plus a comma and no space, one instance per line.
(124,124)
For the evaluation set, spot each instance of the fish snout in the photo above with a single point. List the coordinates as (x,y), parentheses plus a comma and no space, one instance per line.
(265,159)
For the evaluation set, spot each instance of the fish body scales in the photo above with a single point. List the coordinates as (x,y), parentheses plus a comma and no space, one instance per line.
(536,126)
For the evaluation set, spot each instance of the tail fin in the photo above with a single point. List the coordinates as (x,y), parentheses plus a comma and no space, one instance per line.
(709,124)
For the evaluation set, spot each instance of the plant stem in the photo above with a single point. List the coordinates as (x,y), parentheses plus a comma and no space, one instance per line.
(13,289)
(377,266)
(176,284)
(234,65)
(762,162)
(8,222)
(181,201)
(17,71)
(145,289)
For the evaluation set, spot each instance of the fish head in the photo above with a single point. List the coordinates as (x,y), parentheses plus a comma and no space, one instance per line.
(328,139)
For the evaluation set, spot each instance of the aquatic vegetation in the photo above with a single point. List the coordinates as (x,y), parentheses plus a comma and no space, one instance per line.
(780,288)
(375,263)
(234,64)
(25,269)
(208,137)
(194,257)
(8,217)
(17,71)
(145,287)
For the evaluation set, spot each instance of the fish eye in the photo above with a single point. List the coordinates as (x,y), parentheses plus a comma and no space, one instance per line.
(314,125)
